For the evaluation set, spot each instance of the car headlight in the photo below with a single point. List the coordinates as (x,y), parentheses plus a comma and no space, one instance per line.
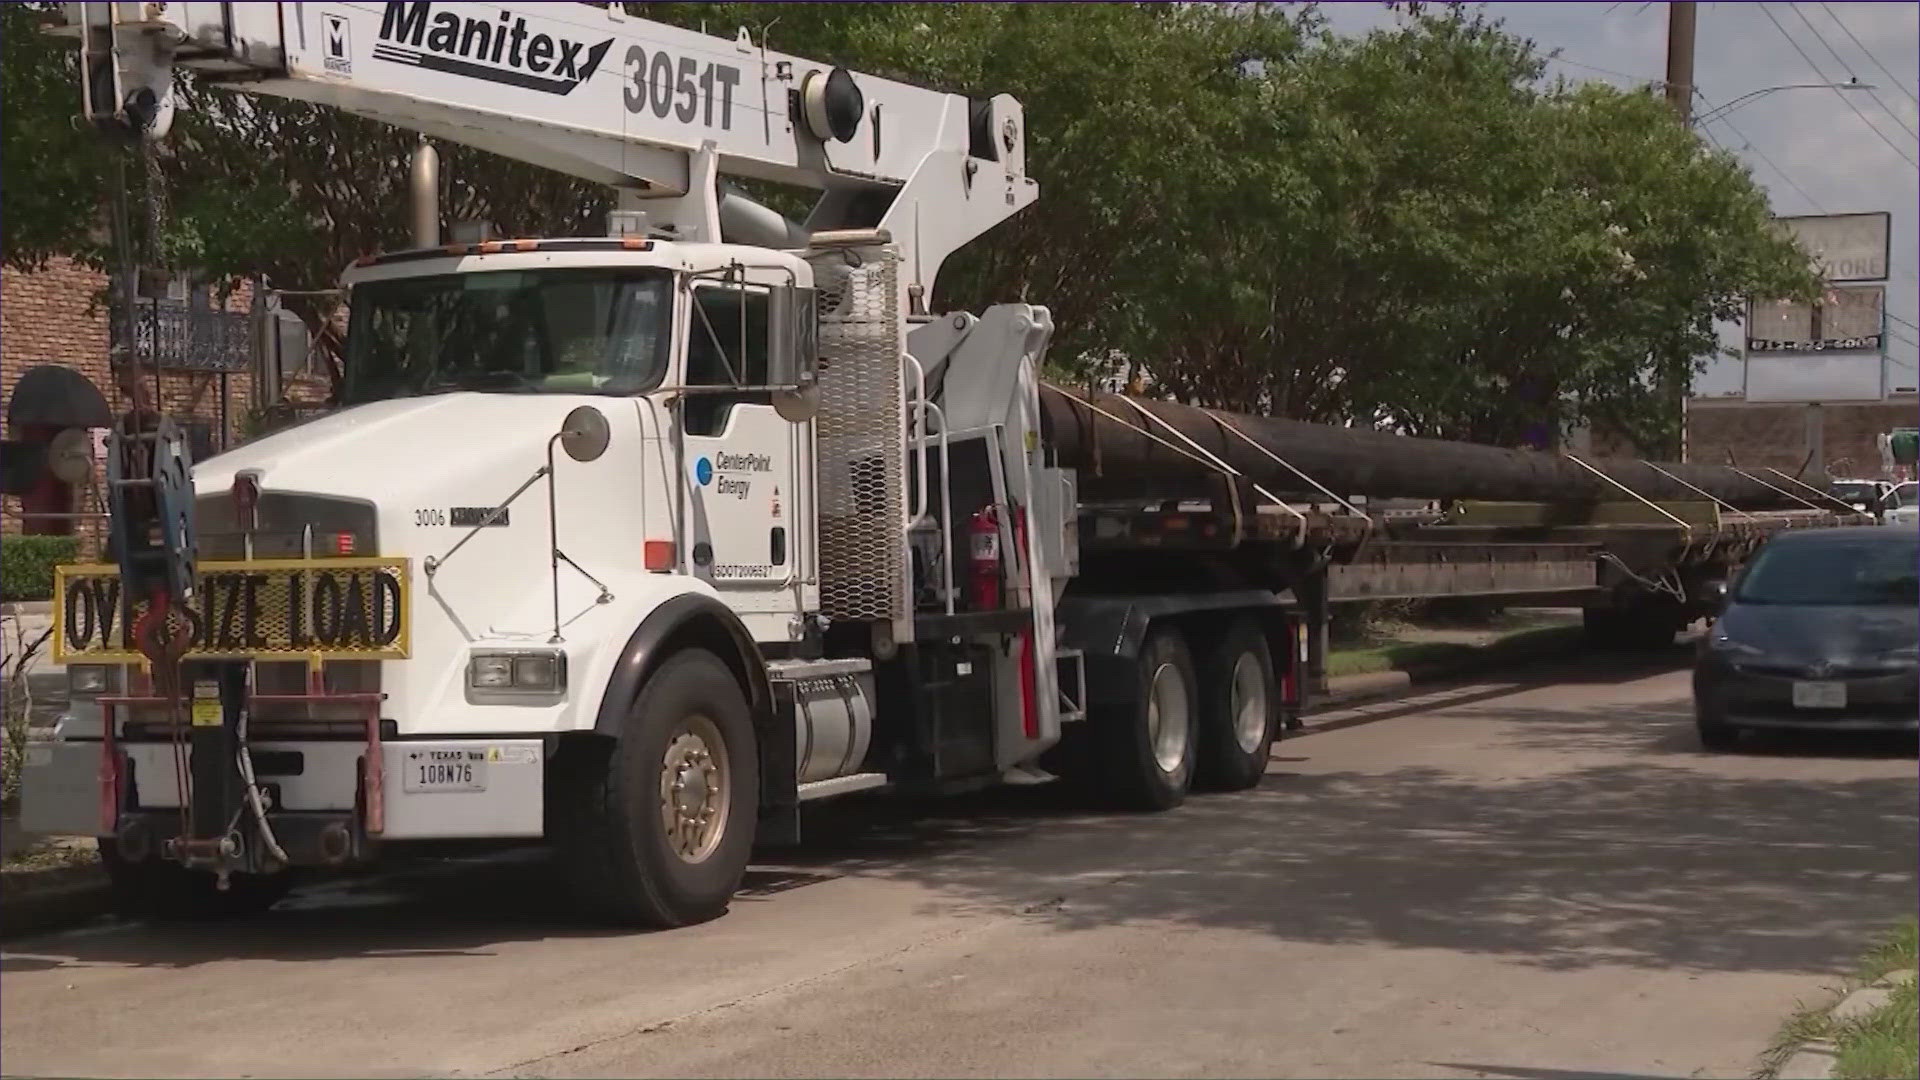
(1727,646)
(517,675)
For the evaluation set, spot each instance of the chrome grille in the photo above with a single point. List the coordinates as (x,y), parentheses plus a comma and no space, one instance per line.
(282,521)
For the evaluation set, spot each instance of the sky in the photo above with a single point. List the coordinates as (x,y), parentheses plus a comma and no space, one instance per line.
(1806,147)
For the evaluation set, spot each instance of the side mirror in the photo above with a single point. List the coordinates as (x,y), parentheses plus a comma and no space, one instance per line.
(793,337)
(793,351)
(1714,593)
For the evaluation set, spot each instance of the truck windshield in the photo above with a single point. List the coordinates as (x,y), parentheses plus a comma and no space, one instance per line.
(1855,492)
(1872,571)
(595,330)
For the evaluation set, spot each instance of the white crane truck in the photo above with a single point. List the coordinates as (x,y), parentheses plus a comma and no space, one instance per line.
(633,544)
(630,543)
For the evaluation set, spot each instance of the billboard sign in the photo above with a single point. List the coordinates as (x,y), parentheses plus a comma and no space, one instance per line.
(1844,247)
(1846,318)
(1833,349)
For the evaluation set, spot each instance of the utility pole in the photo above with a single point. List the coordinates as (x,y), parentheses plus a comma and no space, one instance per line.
(1680,35)
(1680,27)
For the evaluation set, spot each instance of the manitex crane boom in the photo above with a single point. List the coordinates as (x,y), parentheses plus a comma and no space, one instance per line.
(633,543)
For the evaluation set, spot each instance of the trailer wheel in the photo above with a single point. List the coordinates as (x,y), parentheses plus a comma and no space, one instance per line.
(1150,742)
(1648,626)
(659,826)
(1239,710)
(161,889)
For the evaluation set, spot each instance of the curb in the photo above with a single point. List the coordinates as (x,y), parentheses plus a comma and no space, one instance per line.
(59,905)
(1371,686)
(1816,1059)
(1342,689)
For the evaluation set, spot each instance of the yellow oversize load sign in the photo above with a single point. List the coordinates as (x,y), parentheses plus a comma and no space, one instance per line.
(291,609)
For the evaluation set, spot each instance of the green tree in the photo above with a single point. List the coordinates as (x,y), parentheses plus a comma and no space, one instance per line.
(52,174)
(1436,240)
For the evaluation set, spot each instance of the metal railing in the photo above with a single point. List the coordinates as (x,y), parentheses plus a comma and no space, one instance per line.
(179,337)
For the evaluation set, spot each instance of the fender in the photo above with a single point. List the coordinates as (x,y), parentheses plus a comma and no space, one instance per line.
(1109,630)
(686,619)
(695,619)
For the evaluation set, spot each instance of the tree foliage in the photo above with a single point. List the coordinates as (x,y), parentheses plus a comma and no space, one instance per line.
(1410,227)
(52,175)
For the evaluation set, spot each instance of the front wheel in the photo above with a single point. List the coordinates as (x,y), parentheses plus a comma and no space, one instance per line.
(660,825)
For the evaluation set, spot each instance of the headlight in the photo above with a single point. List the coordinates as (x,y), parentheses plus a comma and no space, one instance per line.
(92,680)
(521,675)
(536,672)
(1726,646)
(490,672)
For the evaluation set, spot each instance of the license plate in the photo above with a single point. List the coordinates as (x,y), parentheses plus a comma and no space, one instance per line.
(1819,695)
(430,771)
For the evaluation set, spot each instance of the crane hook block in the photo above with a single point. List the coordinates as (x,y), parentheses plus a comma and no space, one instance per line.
(150,508)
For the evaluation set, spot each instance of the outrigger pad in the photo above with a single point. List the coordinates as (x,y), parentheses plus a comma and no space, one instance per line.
(150,507)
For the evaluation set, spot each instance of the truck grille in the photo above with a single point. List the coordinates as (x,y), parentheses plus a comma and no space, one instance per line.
(283,521)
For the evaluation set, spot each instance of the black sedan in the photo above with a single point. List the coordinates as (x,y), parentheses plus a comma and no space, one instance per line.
(1819,632)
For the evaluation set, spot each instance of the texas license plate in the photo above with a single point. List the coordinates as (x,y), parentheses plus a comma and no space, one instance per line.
(1819,695)
(432,770)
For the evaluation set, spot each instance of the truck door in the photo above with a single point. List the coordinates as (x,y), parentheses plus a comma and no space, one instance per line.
(740,453)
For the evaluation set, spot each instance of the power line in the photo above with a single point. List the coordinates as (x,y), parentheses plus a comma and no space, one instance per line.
(1841,94)
(1848,68)
(1556,57)
(1748,144)
(1891,77)
(1902,321)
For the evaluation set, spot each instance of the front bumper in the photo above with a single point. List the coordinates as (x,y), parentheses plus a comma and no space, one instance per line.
(1733,694)
(312,785)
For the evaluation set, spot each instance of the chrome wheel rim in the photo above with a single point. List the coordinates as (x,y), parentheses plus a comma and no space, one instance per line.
(695,789)
(1249,703)
(1167,718)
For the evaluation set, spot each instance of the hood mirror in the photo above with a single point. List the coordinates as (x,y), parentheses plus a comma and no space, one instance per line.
(585,434)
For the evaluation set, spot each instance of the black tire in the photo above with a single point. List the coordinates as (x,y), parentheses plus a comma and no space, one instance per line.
(1715,733)
(1716,736)
(160,889)
(620,858)
(1236,682)
(1132,776)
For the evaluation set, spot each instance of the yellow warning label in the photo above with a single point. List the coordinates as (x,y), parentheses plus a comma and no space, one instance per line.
(206,712)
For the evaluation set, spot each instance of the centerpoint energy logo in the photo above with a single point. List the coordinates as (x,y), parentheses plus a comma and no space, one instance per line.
(498,51)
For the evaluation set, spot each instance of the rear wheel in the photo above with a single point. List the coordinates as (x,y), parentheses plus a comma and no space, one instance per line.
(1239,710)
(1149,743)
(660,825)
(156,888)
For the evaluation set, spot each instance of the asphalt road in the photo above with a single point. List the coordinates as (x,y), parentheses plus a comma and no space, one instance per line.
(1502,881)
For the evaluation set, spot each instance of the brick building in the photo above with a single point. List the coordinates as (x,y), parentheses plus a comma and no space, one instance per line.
(1838,440)
(55,325)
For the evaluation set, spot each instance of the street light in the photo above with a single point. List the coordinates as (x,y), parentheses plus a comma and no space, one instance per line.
(1721,110)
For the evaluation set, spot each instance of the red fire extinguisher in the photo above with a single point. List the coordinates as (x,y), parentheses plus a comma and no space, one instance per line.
(983,562)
